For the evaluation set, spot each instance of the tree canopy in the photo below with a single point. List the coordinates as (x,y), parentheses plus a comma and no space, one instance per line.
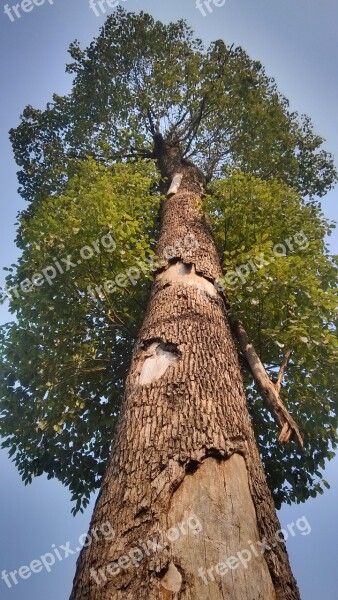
(94,191)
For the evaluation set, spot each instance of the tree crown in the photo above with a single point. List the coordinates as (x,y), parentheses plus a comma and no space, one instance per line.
(88,171)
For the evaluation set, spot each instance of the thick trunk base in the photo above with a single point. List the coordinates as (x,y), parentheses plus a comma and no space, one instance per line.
(224,559)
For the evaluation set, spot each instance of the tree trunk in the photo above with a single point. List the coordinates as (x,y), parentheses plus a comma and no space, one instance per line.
(185,489)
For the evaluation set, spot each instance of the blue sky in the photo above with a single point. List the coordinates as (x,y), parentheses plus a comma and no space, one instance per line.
(296,40)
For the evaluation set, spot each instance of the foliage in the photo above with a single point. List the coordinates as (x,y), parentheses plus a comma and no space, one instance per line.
(287,299)
(139,74)
(65,358)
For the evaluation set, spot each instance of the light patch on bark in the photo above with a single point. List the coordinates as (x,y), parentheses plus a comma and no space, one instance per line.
(171,583)
(155,361)
(185,274)
(175,184)
(218,494)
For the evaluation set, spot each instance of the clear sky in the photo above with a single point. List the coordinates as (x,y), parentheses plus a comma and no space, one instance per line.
(296,40)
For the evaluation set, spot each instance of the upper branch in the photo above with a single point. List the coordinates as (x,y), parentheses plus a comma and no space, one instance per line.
(282,370)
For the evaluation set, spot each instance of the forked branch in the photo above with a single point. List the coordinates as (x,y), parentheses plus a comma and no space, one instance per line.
(270,390)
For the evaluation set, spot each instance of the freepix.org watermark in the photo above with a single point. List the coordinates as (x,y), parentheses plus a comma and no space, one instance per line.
(206,6)
(133,558)
(26,6)
(133,274)
(99,7)
(61,265)
(243,557)
(243,272)
(57,554)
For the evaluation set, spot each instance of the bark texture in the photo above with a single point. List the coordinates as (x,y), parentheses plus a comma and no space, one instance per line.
(185,447)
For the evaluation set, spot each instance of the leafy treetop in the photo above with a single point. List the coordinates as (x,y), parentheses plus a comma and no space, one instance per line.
(139,77)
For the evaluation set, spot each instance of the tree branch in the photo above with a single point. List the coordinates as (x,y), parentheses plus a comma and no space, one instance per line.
(158,124)
(282,370)
(151,122)
(195,123)
(134,153)
(175,127)
(270,391)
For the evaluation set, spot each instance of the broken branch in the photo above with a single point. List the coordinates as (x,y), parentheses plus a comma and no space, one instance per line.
(270,391)
(282,370)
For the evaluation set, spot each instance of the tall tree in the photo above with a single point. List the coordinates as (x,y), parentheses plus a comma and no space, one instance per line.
(185,443)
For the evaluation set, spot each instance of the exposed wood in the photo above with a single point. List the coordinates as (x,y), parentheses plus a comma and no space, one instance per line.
(181,273)
(154,363)
(175,184)
(218,494)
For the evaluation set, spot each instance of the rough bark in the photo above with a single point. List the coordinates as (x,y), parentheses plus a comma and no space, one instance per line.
(185,447)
